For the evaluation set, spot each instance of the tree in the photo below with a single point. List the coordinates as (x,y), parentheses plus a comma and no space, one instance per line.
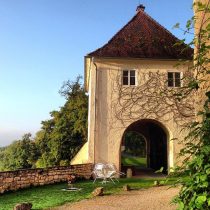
(63,135)
(20,154)
(135,144)
(59,139)
(2,149)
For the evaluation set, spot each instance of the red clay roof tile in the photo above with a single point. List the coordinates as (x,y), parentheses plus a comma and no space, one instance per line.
(143,37)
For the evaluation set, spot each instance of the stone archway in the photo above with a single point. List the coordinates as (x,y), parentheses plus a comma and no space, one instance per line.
(156,136)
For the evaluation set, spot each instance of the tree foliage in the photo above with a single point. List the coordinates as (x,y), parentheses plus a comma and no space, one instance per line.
(135,144)
(63,135)
(60,137)
(22,153)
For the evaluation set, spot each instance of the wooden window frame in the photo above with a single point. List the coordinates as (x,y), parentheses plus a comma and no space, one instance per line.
(129,76)
(174,79)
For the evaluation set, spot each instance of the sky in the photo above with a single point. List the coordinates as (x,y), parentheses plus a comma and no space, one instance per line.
(43,44)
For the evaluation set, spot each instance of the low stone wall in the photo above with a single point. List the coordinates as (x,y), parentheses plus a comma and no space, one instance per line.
(14,180)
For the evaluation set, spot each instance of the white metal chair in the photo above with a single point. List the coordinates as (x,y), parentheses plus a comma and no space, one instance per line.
(98,172)
(116,173)
(105,172)
(111,172)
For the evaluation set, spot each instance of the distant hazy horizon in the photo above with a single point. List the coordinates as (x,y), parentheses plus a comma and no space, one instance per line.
(7,137)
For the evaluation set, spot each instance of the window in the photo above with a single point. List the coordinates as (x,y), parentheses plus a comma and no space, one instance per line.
(174,79)
(129,77)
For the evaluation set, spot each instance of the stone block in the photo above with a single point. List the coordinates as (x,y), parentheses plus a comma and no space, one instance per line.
(99,191)
(23,206)
(8,180)
(126,187)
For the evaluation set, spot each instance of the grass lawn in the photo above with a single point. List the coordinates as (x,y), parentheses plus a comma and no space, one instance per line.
(51,195)
(134,161)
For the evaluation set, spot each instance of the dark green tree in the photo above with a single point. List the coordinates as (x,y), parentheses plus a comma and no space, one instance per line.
(63,135)
(135,144)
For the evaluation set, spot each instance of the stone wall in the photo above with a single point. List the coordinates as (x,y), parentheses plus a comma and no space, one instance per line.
(14,180)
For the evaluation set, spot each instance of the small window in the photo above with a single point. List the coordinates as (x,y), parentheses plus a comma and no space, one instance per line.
(125,77)
(174,79)
(129,77)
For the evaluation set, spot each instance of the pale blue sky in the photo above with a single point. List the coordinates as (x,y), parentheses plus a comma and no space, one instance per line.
(43,43)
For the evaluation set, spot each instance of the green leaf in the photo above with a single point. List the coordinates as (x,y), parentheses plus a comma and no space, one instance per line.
(177,25)
(189,22)
(203,177)
(181,206)
(200,200)
(204,185)
(208,201)
(208,171)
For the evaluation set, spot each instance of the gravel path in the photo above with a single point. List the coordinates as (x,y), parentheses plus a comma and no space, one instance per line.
(156,198)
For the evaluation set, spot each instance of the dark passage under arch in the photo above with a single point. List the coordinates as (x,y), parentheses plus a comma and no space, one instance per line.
(156,143)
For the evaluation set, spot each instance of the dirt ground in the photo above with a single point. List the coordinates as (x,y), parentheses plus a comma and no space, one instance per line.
(156,198)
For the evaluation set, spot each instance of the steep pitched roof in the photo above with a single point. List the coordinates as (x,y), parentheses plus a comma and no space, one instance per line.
(143,37)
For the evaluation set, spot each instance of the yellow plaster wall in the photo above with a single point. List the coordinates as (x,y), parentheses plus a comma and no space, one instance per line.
(82,156)
(105,130)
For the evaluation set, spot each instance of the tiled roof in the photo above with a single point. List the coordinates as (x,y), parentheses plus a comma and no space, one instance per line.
(143,37)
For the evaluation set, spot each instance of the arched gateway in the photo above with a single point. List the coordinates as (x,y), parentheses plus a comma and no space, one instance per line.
(156,147)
